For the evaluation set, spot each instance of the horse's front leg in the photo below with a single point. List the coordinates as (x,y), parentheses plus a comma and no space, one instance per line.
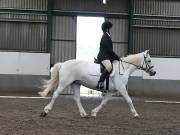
(124,93)
(76,88)
(104,101)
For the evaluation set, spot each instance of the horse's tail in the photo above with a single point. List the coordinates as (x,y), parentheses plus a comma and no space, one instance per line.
(53,82)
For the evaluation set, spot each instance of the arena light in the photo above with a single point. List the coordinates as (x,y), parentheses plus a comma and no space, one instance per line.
(104,2)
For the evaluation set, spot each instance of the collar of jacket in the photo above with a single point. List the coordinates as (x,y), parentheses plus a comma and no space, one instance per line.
(108,34)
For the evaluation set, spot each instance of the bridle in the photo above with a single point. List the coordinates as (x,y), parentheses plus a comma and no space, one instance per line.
(141,67)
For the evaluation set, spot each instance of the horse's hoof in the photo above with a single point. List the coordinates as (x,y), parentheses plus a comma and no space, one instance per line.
(136,117)
(43,114)
(93,114)
(84,115)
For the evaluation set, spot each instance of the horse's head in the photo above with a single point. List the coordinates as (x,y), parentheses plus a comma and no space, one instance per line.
(140,61)
(147,65)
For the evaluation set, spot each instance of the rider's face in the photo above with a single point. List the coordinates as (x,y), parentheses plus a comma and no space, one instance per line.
(110,30)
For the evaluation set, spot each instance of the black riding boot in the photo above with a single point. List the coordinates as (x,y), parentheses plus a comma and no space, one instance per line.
(103,76)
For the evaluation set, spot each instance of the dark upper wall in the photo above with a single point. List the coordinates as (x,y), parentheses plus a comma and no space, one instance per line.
(23,30)
(156,27)
(157,7)
(113,6)
(24,4)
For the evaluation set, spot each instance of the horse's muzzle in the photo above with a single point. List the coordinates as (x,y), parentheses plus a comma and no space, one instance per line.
(152,73)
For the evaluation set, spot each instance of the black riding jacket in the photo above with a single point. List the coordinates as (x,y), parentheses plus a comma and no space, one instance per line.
(106,49)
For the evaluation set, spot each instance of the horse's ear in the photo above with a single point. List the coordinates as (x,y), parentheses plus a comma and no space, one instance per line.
(146,52)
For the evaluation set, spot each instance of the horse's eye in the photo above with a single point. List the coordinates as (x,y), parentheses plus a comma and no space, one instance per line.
(149,60)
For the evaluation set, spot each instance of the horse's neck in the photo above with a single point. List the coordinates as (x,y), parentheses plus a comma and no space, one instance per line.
(133,59)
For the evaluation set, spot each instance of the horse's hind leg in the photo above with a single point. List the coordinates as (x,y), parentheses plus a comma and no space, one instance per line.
(103,102)
(55,96)
(76,88)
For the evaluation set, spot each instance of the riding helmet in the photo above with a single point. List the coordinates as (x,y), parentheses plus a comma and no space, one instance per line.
(106,25)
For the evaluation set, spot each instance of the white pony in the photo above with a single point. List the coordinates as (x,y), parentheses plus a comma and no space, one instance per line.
(74,73)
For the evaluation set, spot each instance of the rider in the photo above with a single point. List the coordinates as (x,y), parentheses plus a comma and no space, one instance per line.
(106,55)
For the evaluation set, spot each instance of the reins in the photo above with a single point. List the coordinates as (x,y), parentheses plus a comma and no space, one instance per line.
(138,67)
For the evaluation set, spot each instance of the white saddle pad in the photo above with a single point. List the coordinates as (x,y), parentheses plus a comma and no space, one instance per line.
(94,70)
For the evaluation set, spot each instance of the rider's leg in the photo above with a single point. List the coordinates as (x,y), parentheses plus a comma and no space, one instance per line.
(107,64)
(108,67)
